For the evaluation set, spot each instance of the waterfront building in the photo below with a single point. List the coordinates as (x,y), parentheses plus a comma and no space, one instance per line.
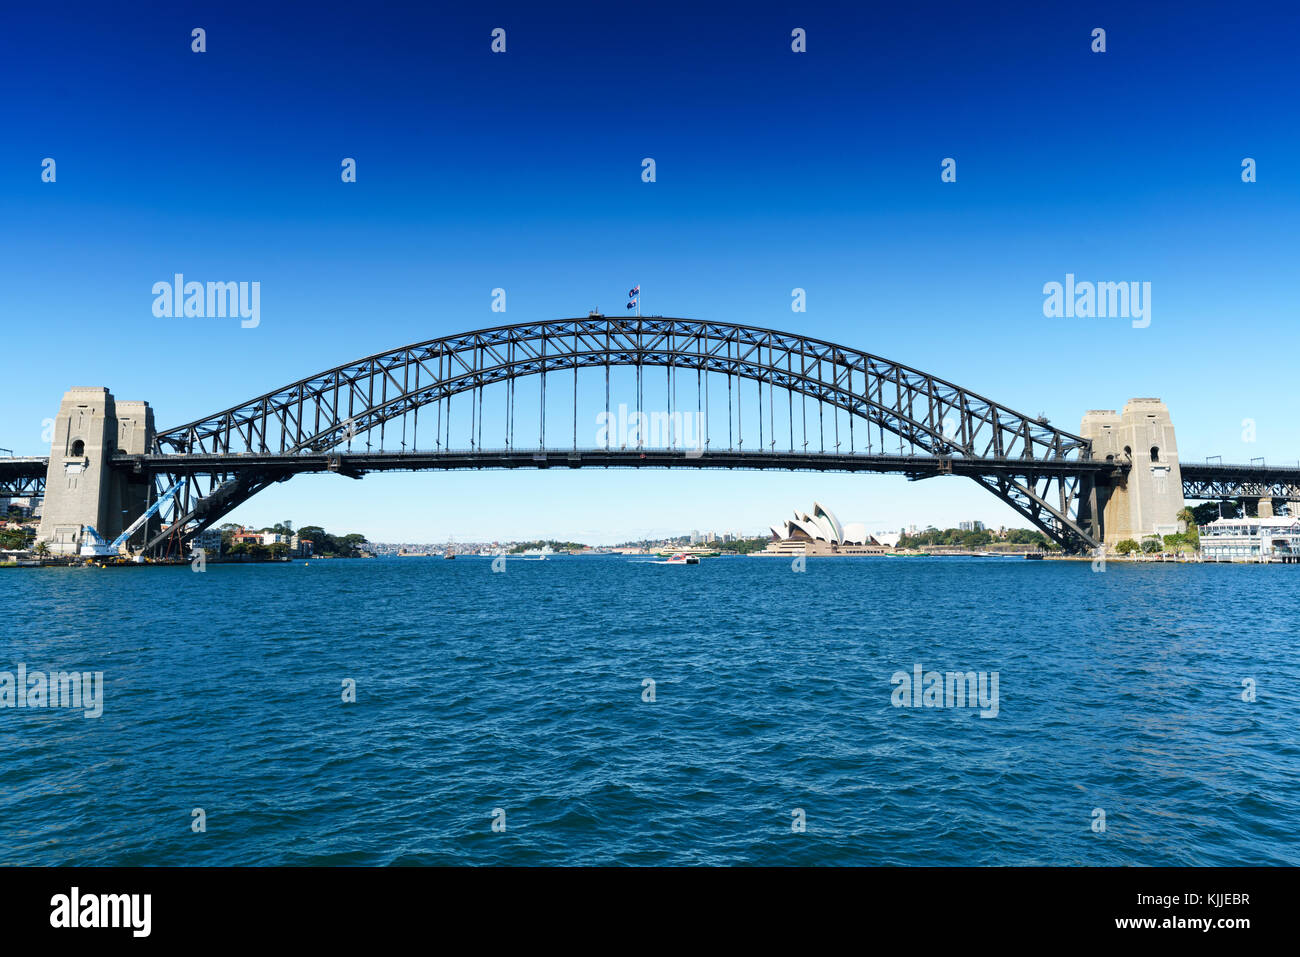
(821,533)
(209,540)
(1251,539)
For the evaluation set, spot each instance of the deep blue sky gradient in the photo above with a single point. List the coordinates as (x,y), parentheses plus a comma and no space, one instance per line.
(775,170)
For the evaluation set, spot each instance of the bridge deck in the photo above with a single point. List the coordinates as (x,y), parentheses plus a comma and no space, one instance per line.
(917,466)
(23,466)
(1224,480)
(1210,481)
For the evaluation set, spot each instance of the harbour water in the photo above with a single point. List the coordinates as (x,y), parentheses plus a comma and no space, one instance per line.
(521,697)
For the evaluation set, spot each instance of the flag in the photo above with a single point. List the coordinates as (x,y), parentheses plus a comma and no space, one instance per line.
(631,293)
(632,304)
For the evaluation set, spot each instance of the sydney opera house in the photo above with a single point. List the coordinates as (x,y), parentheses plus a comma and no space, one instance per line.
(821,533)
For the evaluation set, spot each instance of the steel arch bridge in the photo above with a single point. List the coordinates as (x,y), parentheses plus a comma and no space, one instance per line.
(891,418)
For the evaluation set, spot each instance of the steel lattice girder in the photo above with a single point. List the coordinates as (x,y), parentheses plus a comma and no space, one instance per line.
(23,476)
(322,411)
(25,486)
(1212,489)
(1201,480)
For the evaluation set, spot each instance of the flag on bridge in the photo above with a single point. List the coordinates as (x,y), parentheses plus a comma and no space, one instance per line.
(632,304)
(631,293)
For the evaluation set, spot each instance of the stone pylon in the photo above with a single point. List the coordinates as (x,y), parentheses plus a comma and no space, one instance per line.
(81,490)
(1148,501)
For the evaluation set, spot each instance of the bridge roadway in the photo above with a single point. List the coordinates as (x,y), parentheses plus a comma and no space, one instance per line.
(1212,480)
(22,467)
(1209,480)
(22,476)
(359,463)
(25,475)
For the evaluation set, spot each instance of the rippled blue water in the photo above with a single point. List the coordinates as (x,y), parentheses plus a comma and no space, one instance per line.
(523,691)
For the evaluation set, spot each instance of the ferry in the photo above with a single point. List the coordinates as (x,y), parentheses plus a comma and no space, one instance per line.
(691,552)
(681,558)
(539,554)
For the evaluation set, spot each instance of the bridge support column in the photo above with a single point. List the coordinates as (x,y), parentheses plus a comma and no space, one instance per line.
(1265,508)
(80,488)
(1148,500)
(1089,510)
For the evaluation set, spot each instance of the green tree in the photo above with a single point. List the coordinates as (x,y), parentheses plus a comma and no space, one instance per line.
(1152,545)
(17,538)
(1207,512)
(743,546)
(1126,546)
(325,544)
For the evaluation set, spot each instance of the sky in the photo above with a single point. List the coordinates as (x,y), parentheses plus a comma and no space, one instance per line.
(774,169)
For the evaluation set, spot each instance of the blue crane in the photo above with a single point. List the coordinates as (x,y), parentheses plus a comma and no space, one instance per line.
(96,547)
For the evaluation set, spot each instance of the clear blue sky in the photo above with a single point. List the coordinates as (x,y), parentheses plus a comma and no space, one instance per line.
(774,170)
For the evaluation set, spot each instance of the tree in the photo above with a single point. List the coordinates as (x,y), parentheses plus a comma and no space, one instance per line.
(42,548)
(1187,517)
(1126,546)
(16,539)
(1207,512)
(1152,545)
(325,544)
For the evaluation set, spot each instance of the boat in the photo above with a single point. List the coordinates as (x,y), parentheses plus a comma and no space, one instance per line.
(681,558)
(696,552)
(538,554)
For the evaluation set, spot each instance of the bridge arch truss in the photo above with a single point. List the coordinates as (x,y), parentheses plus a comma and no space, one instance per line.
(875,406)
